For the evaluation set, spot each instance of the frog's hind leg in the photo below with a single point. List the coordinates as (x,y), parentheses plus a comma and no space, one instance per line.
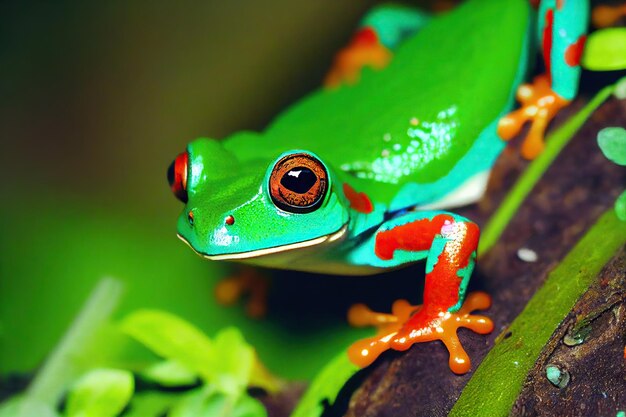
(561,29)
(246,281)
(382,30)
(449,242)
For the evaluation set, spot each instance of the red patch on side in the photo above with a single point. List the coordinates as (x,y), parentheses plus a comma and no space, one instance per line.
(559,4)
(415,236)
(365,36)
(574,52)
(547,42)
(358,201)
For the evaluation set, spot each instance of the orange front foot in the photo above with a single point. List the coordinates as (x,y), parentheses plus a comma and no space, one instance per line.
(408,325)
(539,105)
(247,281)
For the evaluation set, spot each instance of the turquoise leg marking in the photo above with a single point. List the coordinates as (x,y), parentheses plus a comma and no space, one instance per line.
(465,275)
(569,23)
(394,23)
(433,255)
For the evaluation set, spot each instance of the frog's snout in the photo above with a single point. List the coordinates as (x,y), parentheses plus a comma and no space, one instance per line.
(207,233)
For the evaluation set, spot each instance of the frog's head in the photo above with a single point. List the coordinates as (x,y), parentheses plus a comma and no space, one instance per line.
(237,210)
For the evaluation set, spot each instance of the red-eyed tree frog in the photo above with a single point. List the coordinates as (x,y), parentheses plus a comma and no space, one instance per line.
(356,179)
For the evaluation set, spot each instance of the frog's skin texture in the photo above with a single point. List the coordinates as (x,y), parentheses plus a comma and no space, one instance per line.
(355,180)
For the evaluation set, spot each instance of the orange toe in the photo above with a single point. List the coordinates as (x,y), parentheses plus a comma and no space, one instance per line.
(400,330)
(363,352)
(539,105)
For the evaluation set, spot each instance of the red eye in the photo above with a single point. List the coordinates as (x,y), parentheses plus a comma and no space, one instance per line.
(177,176)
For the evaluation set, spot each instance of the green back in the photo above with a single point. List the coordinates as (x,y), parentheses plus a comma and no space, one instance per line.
(414,120)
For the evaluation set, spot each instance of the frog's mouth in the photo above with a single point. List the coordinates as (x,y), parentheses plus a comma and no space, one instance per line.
(269,251)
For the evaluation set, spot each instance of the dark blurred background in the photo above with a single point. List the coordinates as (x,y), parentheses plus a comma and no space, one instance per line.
(97,97)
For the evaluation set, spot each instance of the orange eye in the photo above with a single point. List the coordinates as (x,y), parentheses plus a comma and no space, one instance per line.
(177,176)
(298,183)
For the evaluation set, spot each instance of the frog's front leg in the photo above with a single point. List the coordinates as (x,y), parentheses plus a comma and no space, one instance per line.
(561,31)
(449,244)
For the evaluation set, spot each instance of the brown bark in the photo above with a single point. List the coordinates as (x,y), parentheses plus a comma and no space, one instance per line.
(589,347)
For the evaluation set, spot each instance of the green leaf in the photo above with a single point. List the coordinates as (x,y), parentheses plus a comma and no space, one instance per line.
(620,207)
(199,403)
(169,373)
(100,393)
(612,142)
(232,362)
(262,378)
(172,338)
(208,403)
(325,386)
(152,404)
(249,407)
(23,406)
(228,363)
(605,50)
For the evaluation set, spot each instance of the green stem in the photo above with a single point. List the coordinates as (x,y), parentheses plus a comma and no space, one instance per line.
(325,386)
(494,387)
(554,144)
(61,367)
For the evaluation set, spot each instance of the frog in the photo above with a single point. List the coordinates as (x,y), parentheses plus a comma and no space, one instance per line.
(358,178)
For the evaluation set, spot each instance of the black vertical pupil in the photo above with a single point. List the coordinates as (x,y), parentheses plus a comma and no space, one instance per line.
(299,180)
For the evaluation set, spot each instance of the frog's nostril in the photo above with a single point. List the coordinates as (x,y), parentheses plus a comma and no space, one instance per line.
(230,220)
(190,217)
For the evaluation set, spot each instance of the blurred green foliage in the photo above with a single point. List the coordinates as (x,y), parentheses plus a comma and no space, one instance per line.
(100,393)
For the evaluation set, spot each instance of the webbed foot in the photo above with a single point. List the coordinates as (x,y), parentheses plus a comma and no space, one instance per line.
(410,324)
(539,105)
(247,281)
